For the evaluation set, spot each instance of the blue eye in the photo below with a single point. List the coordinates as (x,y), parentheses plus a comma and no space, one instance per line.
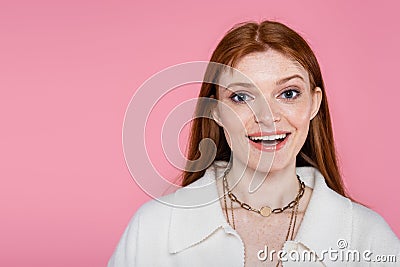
(240,97)
(290,94)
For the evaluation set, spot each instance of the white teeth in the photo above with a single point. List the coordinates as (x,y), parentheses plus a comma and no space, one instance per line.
(267,137)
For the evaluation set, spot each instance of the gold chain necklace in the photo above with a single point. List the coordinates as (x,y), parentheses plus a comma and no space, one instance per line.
(265,211)
(294,205)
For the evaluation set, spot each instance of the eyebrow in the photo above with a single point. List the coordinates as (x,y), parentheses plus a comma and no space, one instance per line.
(241,84)
(284,80)
(280,82)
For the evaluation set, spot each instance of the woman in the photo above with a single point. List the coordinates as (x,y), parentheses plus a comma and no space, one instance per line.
(280,196)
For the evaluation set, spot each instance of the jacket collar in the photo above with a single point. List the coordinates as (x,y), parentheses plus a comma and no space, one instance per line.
(197,212)
(327,217)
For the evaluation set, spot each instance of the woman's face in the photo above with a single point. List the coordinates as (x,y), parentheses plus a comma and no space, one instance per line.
(266,122)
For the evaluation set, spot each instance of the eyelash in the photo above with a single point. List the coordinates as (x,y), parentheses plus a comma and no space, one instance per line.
(244,95)
(241,96)
(298,93)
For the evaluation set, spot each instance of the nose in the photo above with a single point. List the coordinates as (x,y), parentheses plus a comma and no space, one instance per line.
(266,112)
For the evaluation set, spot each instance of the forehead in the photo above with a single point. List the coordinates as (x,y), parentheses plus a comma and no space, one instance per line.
(269,66)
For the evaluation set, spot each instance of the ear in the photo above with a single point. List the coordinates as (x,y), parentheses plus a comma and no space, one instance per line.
(215,115)
(316,101)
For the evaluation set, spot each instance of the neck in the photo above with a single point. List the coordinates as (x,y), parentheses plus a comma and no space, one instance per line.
(274,188)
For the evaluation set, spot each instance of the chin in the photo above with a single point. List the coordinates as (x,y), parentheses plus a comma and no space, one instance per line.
(271,165)
(278,168)
(265,162)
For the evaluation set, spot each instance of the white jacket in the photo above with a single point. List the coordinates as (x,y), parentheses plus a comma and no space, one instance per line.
(163,235)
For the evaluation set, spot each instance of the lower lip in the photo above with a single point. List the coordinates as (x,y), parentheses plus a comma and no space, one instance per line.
(277,147)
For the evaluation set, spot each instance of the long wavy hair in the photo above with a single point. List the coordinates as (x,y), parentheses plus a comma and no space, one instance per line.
(318,150)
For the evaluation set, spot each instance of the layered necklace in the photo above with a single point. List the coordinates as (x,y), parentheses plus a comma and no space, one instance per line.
(264,211)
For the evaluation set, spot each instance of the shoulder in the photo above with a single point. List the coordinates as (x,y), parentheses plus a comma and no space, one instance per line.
(372,231)
(361,226)
(154,210)
(367,219)
(367,225)
(184,197)
(361,217)
(362,214)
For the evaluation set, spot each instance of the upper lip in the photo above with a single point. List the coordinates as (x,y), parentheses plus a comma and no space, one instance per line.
(259,134)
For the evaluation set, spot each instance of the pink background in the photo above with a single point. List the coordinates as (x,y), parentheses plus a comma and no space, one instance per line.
(69,68)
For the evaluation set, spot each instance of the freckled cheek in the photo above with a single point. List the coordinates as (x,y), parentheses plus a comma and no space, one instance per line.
(300,120)
(231,113)
(298,117)
(235,121)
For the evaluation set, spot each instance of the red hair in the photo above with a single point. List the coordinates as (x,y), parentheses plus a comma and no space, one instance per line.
(318,150)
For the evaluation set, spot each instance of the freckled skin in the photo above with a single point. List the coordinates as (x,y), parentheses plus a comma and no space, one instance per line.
(257,231)
(265,69)
(266,108)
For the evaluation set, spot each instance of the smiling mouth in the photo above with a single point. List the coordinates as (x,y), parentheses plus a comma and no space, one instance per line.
(269,140)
